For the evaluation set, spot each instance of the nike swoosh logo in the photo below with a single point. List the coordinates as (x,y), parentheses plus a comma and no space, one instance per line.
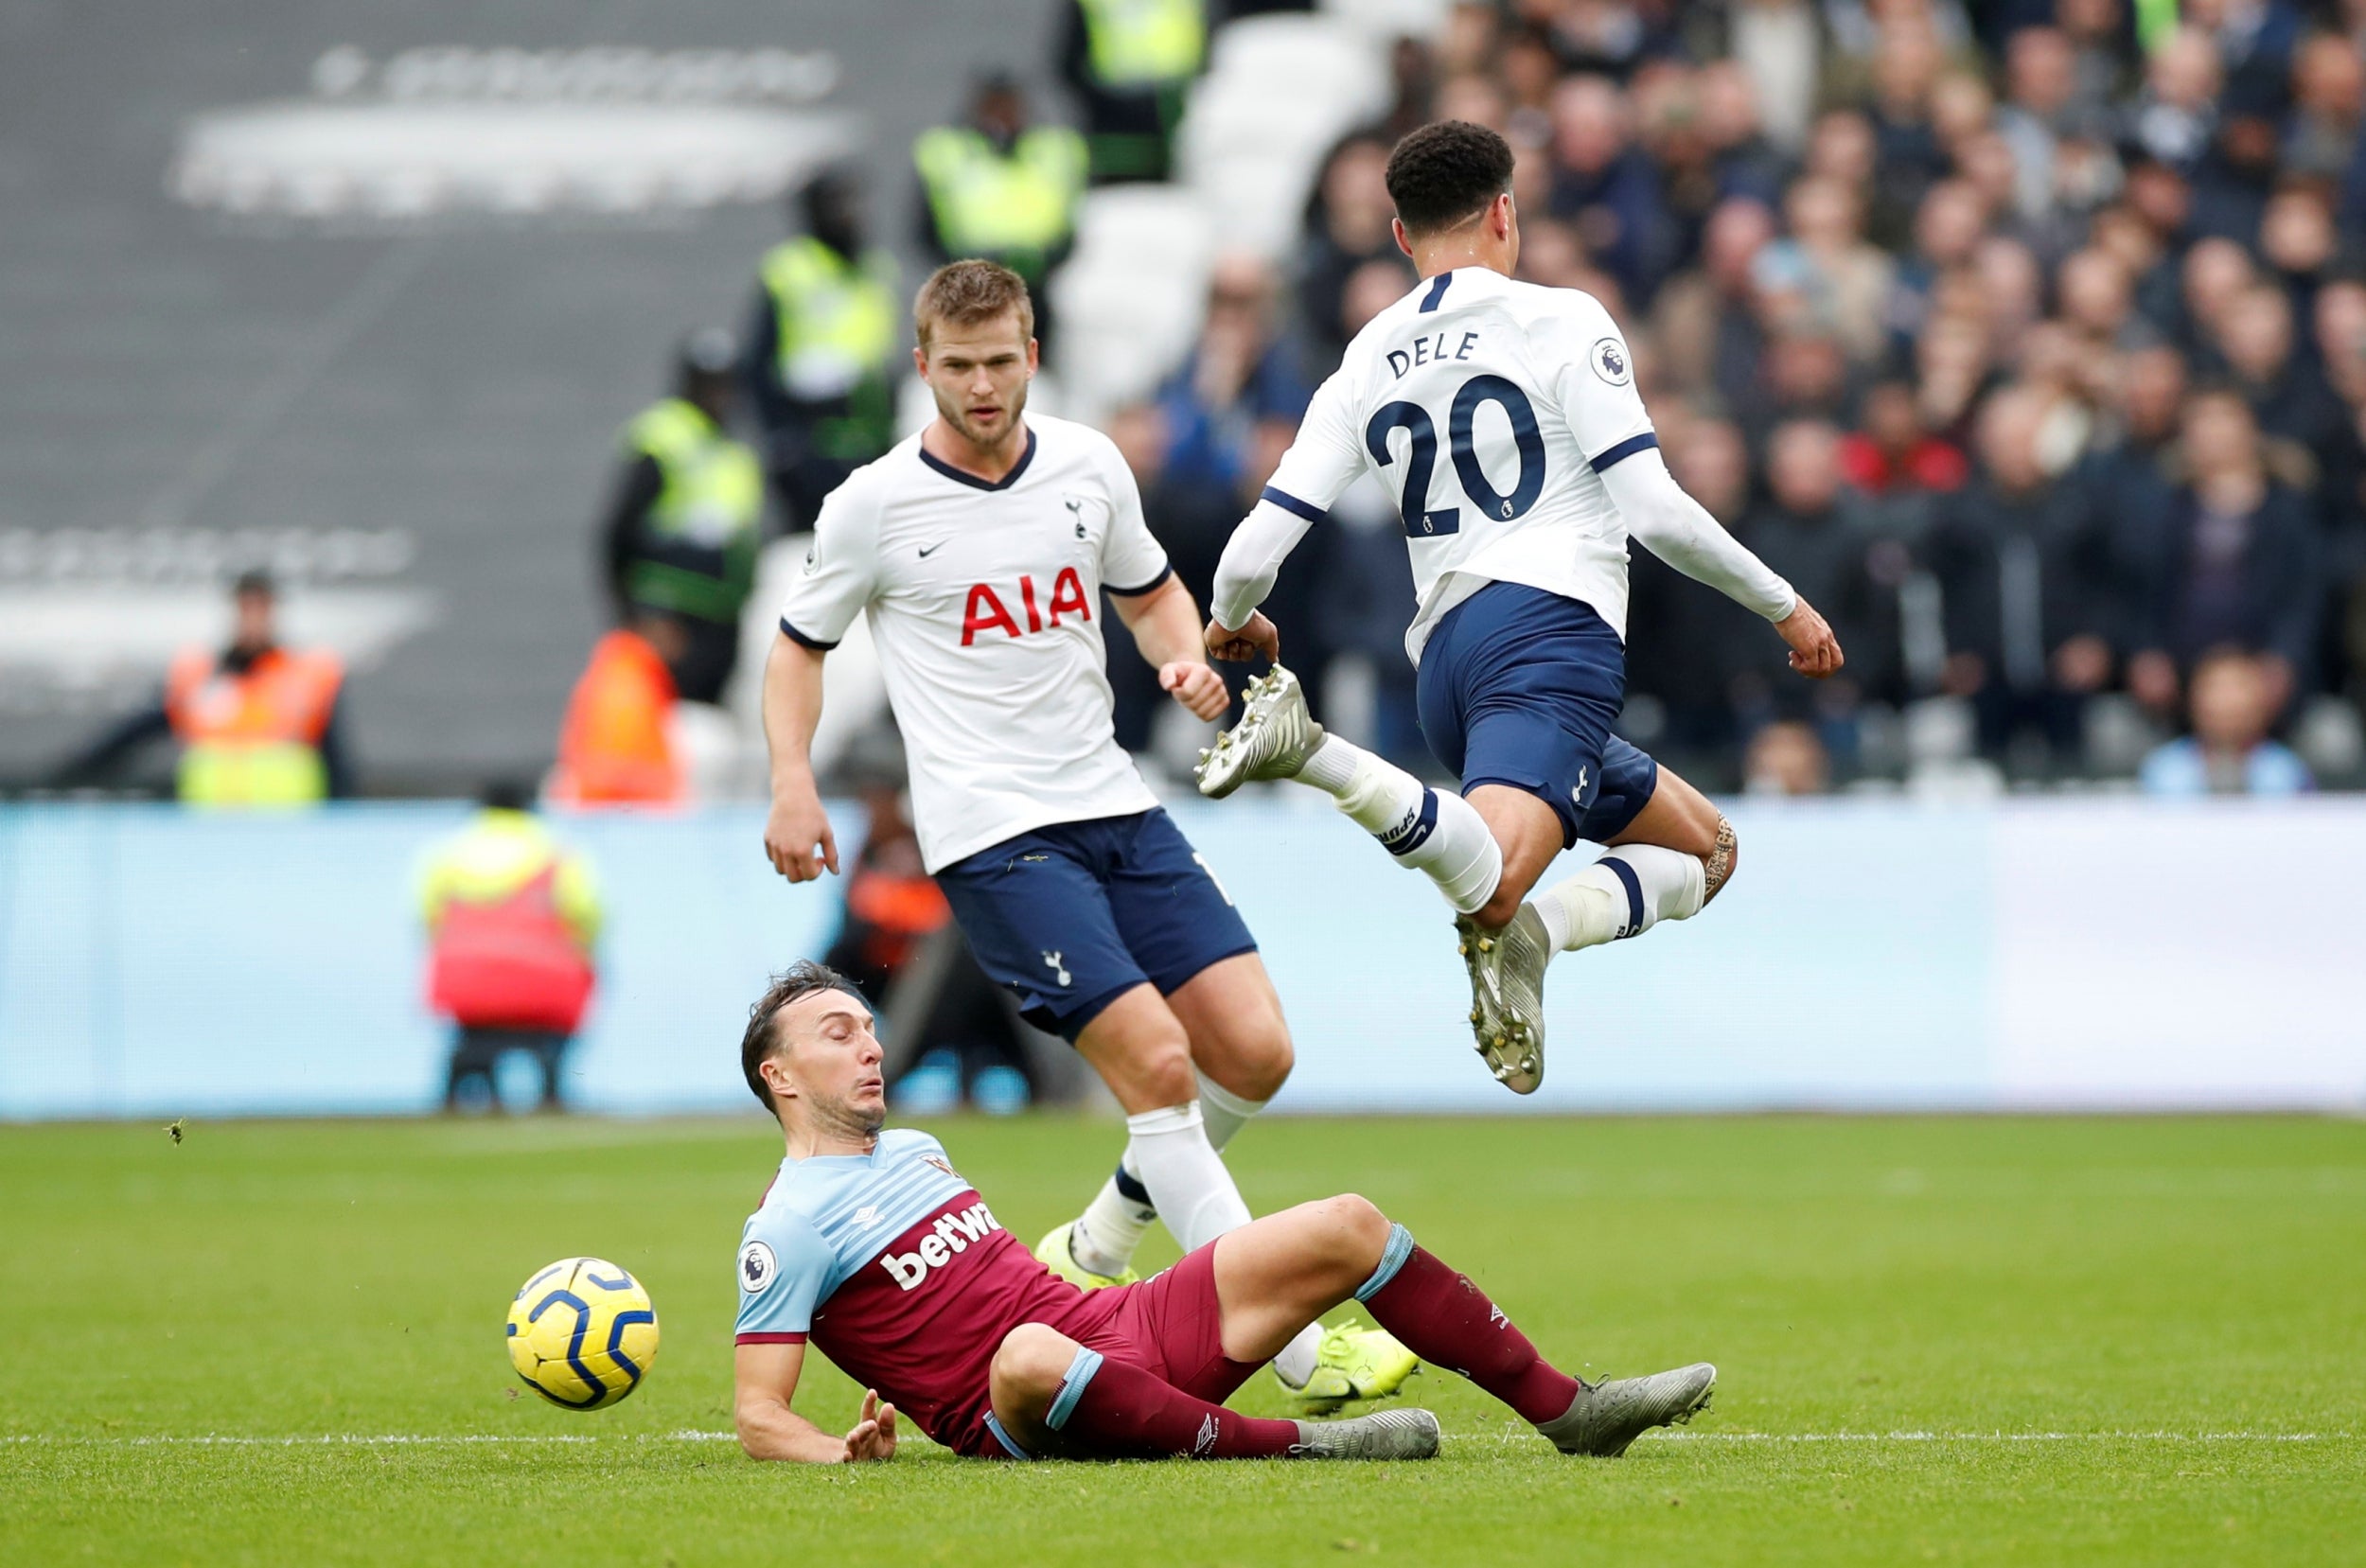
(926,550)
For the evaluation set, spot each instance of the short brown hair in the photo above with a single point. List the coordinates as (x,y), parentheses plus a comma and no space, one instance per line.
(964,294)
(794,984)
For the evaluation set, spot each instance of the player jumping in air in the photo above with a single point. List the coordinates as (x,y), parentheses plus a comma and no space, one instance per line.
(1506,417)
(980,549)
(869,1245)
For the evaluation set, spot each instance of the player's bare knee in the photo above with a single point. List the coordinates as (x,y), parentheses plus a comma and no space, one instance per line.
(1162,1073)
(1029,1363)
(1263,1059)
(1358,1230)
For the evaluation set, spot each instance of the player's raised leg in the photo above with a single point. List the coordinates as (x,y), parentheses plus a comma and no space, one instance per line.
(1670,851)
(1270,1277)
(1434,832)
(1055,1396)
(1667,864)
(1308,1257)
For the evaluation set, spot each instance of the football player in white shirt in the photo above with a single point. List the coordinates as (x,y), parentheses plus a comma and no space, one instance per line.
(978,550)
(1506,418)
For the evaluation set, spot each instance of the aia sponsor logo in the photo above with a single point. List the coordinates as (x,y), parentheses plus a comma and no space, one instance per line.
(952,1235)
(987,610)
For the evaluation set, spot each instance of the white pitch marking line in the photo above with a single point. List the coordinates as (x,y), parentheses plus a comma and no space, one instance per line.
(424,1439)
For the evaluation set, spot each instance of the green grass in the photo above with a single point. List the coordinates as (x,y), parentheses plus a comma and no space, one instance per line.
(2113,1341)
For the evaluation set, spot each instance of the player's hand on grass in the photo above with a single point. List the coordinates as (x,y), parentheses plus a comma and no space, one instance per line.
(1814,651)
(797,836)
(874,1436)
(1200,690)
(1255,636)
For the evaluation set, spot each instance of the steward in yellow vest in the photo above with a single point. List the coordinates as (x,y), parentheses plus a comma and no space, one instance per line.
(818,359)
(999,189)
(687,518)
(1131,64)
(511,916)
(257,722)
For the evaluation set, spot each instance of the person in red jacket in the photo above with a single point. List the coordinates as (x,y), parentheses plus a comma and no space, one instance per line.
(511,917)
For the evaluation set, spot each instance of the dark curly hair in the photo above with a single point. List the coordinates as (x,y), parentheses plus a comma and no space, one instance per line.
(1444,173)
(794,984)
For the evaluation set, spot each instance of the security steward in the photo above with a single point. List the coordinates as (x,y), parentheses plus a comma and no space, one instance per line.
(1130,64)
(1002,190)
(685,521)
(511,917)
(818,359)
(257,723)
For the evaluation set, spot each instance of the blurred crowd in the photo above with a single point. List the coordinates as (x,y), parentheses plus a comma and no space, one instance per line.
(2029,339)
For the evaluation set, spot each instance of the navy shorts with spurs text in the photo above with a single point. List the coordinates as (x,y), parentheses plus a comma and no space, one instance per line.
(1071,916)
(1520,687)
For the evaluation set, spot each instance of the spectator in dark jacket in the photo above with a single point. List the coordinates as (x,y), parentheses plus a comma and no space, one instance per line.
(1608,187)
(1347,227)
(2236,563)
(2131,479)
(1814,531)
(1685,644)
(2016,557)
(2287,394)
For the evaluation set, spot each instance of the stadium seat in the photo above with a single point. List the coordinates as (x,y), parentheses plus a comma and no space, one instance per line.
(1280,89)
(1129,299)
(1390,18)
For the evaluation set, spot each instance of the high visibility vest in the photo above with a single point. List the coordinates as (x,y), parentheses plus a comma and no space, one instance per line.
(837,317)
(1013,208)
(511,918)
(1144,42)
(697,552)
(614,749)
(252,739)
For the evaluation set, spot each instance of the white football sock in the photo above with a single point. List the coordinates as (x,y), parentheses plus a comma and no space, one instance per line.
(1112,1227)
(1225,1114)
(1435,833)
(1224,1111)
(1625,894)
(1296,1363)
(1188,1183)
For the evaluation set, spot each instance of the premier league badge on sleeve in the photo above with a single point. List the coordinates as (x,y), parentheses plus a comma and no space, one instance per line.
(1610,361)
(757,1268)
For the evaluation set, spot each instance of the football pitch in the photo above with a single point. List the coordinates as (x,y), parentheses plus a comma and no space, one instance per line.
(1943,1340)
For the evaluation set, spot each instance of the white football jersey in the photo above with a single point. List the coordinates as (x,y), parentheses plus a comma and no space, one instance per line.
(1489,408)
(984,603)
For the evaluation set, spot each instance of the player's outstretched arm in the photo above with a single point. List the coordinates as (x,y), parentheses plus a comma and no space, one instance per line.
(1680,530)
(797,836)
(764,1379)
(1165,624)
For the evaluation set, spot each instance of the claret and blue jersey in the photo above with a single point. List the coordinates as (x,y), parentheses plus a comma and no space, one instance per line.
(896,1269)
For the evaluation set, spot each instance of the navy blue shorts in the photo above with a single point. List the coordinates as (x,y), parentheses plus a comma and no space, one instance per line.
(1520,687)
(1071,916)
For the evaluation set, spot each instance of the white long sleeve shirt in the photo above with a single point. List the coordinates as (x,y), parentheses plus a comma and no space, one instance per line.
(1504,417)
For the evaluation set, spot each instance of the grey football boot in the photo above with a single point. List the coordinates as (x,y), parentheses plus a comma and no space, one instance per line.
(1508,995)
(1277,734)
(1607,1416)
(1381,1434)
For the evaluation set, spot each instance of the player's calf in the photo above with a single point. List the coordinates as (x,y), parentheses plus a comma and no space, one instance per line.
(1053,1396)
(1435,833)
(1721,859)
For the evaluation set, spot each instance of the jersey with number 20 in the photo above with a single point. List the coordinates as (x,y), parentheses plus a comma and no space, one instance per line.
(1489,409)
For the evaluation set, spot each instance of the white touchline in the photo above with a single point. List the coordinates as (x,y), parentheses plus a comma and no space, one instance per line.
(399,1438)
(1955,1436)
